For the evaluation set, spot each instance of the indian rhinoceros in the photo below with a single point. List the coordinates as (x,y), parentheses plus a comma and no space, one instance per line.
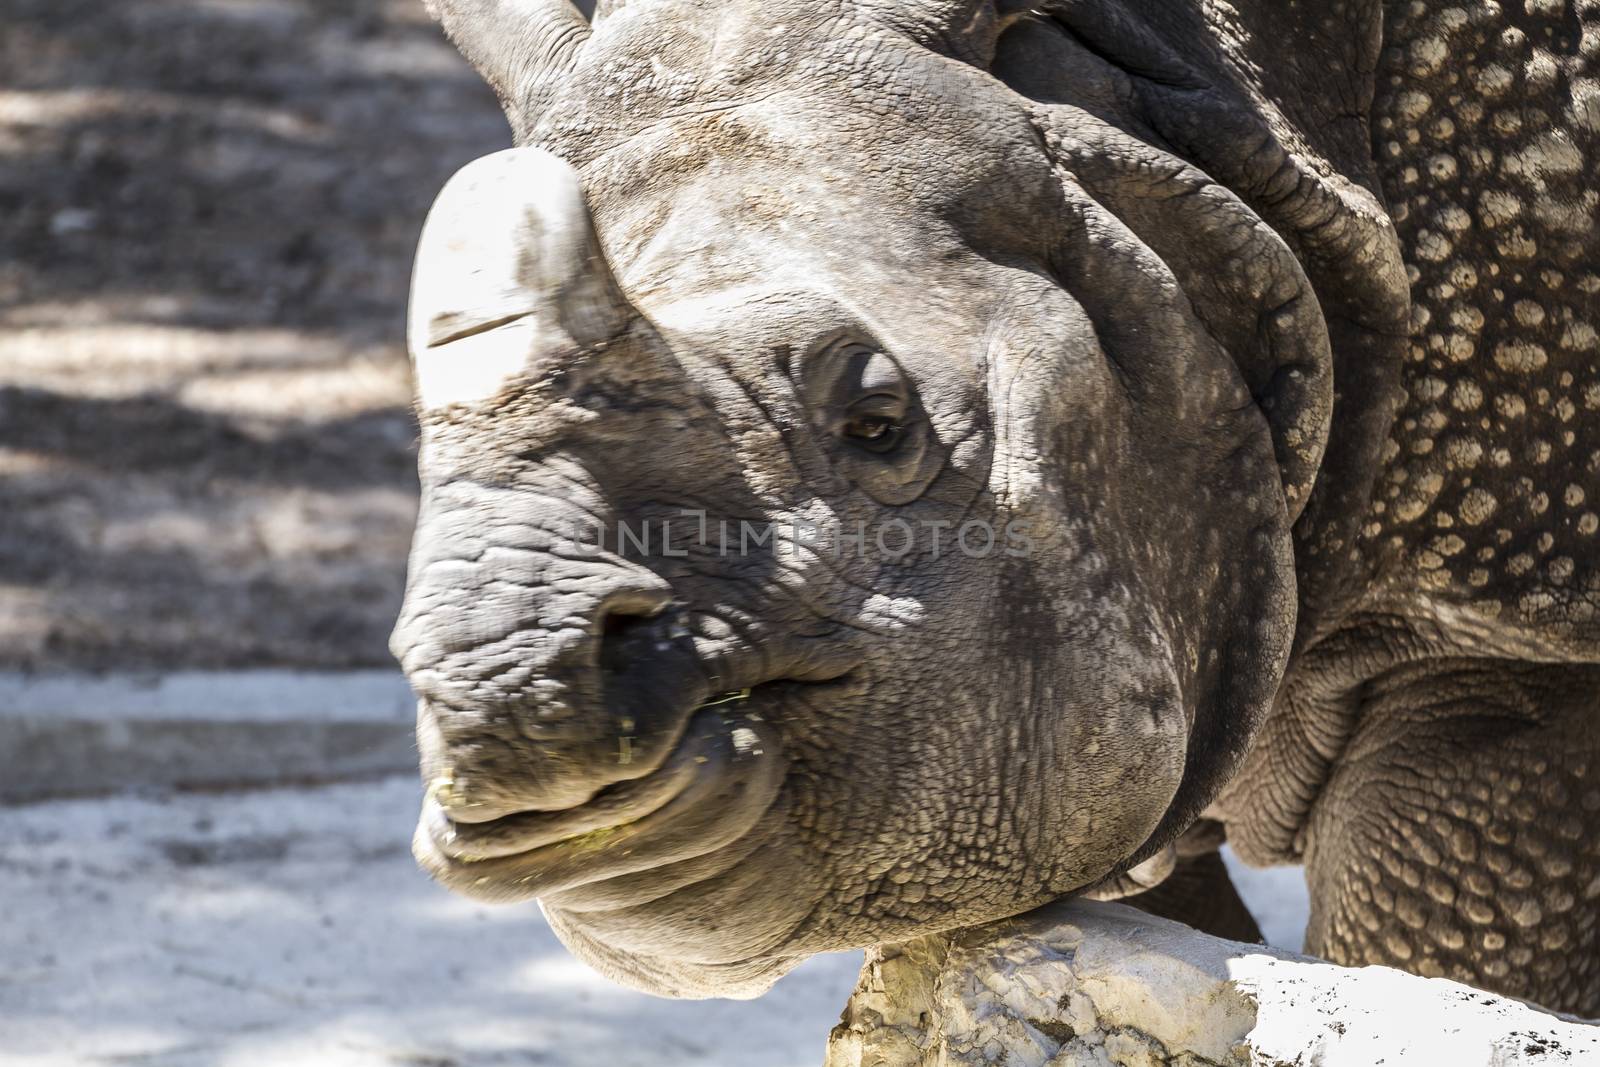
(888,464)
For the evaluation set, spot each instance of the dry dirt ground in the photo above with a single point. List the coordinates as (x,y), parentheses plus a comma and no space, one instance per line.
(290,928)
(207,211)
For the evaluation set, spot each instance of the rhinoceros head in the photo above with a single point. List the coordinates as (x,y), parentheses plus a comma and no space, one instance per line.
(856,492)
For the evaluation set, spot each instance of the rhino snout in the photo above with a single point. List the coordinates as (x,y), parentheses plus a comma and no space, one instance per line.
(569,743)
(540,685)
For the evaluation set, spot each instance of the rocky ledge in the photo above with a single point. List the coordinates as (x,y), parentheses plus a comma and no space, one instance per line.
(1079,983)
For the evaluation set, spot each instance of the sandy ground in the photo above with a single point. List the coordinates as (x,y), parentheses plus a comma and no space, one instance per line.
(291,927)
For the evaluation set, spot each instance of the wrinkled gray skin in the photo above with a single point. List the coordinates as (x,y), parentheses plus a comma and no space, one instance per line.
(1292,539)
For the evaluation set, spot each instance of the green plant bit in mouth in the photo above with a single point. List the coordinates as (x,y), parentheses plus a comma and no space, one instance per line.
(443,788)
(728,698)
(592,839)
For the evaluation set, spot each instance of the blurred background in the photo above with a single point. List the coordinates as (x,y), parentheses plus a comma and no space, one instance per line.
(207,784)
(207,212)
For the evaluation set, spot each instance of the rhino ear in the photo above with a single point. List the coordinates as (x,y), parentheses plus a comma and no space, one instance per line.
(522,48)
(508,272)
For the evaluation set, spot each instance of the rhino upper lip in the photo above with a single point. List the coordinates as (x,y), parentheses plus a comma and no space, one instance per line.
(726,771)
(688,811)
(616,805)
(621,804)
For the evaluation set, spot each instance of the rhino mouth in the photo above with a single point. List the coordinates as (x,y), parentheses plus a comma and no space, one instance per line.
(718,783)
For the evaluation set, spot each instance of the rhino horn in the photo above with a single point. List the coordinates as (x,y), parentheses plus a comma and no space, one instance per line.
(509,272)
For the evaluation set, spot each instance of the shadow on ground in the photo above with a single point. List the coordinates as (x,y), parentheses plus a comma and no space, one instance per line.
(207,210)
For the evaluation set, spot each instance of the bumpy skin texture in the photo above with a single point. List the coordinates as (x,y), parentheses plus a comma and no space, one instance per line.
(1455,837)
(1134,295)
(1432,757)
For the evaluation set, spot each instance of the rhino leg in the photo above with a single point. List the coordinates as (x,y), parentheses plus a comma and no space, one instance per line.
(1459,836)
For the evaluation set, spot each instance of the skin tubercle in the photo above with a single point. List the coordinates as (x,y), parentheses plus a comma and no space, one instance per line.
(1487,134)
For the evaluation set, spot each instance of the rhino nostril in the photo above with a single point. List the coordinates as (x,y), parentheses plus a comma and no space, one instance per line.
(620,623)
(617,625)
(623,608)
(622,639)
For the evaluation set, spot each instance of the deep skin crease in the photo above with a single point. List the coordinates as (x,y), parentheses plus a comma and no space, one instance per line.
(1271,327)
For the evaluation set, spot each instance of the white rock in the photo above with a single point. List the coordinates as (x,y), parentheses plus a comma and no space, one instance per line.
(1079,983)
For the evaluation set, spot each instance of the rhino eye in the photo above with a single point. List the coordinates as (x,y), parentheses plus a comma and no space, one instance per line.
(864,403)
(873,399)
(876,433)
(875,423)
